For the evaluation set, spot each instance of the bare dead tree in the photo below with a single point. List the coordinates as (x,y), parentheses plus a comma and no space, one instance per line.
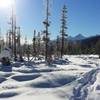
(19,44)
(9,39)
(34,44)
(63,28)
(46,31)
(13,34)
(57,46)
(28,52)
(39,44)
(25,47)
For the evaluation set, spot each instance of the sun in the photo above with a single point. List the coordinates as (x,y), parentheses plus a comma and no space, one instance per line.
(6,3)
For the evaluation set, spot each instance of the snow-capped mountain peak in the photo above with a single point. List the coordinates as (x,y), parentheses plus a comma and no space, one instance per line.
(79,37)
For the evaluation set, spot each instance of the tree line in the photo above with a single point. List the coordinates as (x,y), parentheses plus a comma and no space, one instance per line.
(42,45)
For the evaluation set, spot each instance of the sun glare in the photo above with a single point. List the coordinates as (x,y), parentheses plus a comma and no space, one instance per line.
(6,3)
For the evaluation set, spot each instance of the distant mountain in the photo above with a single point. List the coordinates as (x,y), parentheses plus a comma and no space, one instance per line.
(77,37)
(70,38)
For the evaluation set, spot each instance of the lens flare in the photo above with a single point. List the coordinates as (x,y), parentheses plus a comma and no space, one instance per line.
(6,3)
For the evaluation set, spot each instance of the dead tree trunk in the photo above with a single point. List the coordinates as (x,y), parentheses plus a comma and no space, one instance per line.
(46,31)
(19,45)
(34,45)
(39,44)
(28,52)
(63,29)
(58,46)
(13,32)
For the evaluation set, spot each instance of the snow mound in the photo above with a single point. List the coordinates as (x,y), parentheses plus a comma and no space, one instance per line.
(86,66)
(6,68)
(54,82)
(8,94)
(75,78)
(6,53)
(2,79)
(98,87)
(25,77)
(25,69)
(60,62)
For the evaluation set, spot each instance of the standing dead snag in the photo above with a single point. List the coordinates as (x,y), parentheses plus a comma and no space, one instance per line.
(63,29)
(34,44)
(57,46)
(39,44)
(9,39)
(19,44)
(26,49)
(46,31)
(28,52)
(13,35)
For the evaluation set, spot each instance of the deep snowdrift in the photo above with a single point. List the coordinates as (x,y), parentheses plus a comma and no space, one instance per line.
(76,78)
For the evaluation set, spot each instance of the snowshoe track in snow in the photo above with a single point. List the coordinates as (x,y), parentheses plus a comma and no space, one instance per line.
(81,91)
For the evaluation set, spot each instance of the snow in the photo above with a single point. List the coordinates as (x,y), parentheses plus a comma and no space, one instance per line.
(6,53)
(76,78)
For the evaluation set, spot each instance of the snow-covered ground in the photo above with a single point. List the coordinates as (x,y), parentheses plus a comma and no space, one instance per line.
(77,78)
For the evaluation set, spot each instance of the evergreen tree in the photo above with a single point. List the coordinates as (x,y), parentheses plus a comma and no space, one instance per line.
(98,48)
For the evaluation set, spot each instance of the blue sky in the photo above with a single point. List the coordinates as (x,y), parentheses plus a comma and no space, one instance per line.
(83,17)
